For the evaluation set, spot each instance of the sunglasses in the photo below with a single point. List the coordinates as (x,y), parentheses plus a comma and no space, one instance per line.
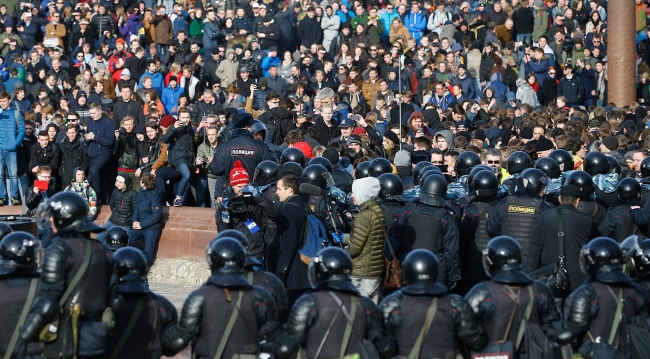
(493,162)
(551,73)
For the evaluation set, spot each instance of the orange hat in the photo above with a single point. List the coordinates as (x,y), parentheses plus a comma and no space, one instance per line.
(238,175)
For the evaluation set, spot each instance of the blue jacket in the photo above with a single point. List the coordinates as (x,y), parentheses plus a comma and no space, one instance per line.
(181,23)
(210,34)
(12,129)
(416,23)
(147,209)
(387,19)
(538,67)
(157,81)
(104,131)
(170,97)
(267,62)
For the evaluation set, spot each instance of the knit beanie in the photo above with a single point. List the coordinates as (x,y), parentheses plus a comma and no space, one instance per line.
(365,188)
(238,175)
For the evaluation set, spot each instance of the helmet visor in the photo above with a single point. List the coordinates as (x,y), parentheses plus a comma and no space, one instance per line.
(584,259)
(43,213)
(487,262)
(313,282)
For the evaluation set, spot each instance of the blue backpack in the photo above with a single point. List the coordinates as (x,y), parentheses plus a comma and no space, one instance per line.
(315,237)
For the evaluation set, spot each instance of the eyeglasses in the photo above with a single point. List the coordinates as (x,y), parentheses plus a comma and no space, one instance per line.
(389,7)
(72,119)
(373,49)
(493,162)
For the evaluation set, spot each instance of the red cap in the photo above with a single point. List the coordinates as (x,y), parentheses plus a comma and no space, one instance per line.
(238,175)
(305,148)
(359,131)
(167,121)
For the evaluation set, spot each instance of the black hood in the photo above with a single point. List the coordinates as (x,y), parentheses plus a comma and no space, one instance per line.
(281,113)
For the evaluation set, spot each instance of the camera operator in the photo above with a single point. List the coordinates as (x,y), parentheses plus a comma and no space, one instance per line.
(127,150)
(242,209)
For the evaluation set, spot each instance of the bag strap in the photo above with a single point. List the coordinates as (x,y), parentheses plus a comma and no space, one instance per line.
(129,327)
(327,334)
(526,318)
(77,277)
(229,327)
(431,313)
(22,318)
(617,317)
(348,327)
(560,233)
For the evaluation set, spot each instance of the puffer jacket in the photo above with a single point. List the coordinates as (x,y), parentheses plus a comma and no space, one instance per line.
(102,23)
(147,209)
(227,70)
(366,241)
(122,204)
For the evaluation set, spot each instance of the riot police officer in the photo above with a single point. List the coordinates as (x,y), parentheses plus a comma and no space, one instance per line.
(428,223)
(599,310)
(597,165)
(550,167)
(18,287)
(464,164)
(392,198)
(618,223)
(472,230)
(73,263)
(379,166)
(246,313)
(342,178)
(585,184)
(417,169)
(434,319)
(290,167)
(515,216)
(645,180)
(333,319)
(636,252)
(313,191)
(143,315)
(502,302)
(462,201)
(564,160)
(116,238)
(4,229)
(266,178)
(418,177)
(292,154)
(517,162)
(362,170)
(255,275)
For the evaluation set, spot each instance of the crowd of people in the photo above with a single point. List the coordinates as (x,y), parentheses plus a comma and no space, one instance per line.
(434,128)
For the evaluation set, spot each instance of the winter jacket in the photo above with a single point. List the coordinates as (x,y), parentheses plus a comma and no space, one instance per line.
(180,143)
(104,130)
(526,94)
(572,89)
(73,155)
(309,29)
(132,108)
(126,151)
(415,23)
(12,129)
(130,27)
(366,241)
(48,156)
(122,205)
(102,23)
(170,97)
(436,18)
(85,190)
(147,208)
(163,30)
(468,84)
(524,20)
(540,25)
(211,33)
(227,70)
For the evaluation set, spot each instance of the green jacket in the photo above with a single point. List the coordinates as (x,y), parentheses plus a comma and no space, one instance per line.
(4,48)
(375,32)
(541,24)
(366,242)
(205,150)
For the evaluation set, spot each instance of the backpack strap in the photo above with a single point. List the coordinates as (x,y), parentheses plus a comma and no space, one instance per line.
(526,318)
(617,317)
(22,318)
(348,327)
(77,277)
(229,327)
(431,313)
(129,327)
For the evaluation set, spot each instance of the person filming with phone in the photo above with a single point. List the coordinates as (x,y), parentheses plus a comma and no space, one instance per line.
(37,194)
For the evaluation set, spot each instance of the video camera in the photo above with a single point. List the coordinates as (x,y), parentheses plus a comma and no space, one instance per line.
(567,46)
(239,204)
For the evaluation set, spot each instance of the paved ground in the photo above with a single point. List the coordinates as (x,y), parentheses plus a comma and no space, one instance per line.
(176,294)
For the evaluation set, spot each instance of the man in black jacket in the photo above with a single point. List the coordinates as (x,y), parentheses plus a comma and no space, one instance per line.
(127,106)
(74,153)
(121,203)
(207,106)
(309,28)
(578,229)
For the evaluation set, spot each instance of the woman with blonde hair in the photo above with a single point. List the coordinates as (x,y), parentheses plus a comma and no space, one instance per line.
(397,28)
(174,70)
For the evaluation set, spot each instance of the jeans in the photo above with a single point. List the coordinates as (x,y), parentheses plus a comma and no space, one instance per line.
(184,183)
(45,236)
(9,159)
(97,166)
(212,184)
(101,236)
(201,185)
(151,236)
(163,175)
(526,38)
(24,185)
(368,287)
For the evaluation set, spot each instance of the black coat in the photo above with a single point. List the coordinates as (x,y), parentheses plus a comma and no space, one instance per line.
(309,30)
(578,229)
(291,229)
(132,108)
(73,155)
(48,156)
(271,36)
(122,204)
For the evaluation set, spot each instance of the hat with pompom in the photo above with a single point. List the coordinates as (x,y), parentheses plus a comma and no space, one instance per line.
(238,175)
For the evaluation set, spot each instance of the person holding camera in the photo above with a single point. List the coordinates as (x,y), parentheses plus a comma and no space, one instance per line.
(43,188)
(242,209)
(206,181)
(180,142)
(127,150)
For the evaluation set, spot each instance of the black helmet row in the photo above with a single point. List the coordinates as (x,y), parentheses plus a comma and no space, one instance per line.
(563,158)
(519,161)
(391,185)
(466,161)
(435,185)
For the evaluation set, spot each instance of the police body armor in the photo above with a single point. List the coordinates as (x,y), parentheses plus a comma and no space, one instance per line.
(329,329)
(393,206)
(14,292)
(601,325)
(518,219)
(342,179)
(627,226)
(424,231)
(608,200)
(504,324)
(645,190)
(243,339)
(595,210)
(143,342)
(471,253)
(439,340)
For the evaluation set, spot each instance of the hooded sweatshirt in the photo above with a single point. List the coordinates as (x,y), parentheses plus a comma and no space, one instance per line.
(365,189)
(449,136)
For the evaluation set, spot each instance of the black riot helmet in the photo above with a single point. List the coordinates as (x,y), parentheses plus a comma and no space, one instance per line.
(583,181)
(548,166)
(290,167)
(614,166)
(486,183)
(18,250)
(417,169)
(601,255)
(342,180)
(466,161)
(502,254)
(331,264)
(4,229)
(226,255)
(130,263)
(420,265)
(645,167)
(362,170)
(473,172)
(434,185)
(563,158)
(232,233)
(391,185)
(257,127)
(116,238)
(315,175)
(518,161)
(292,154)
(533,180)
(636,253)
(426,170)
(596,163)
(379,166)
(628,188)
(321,161)
(69,211)
(266,172)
